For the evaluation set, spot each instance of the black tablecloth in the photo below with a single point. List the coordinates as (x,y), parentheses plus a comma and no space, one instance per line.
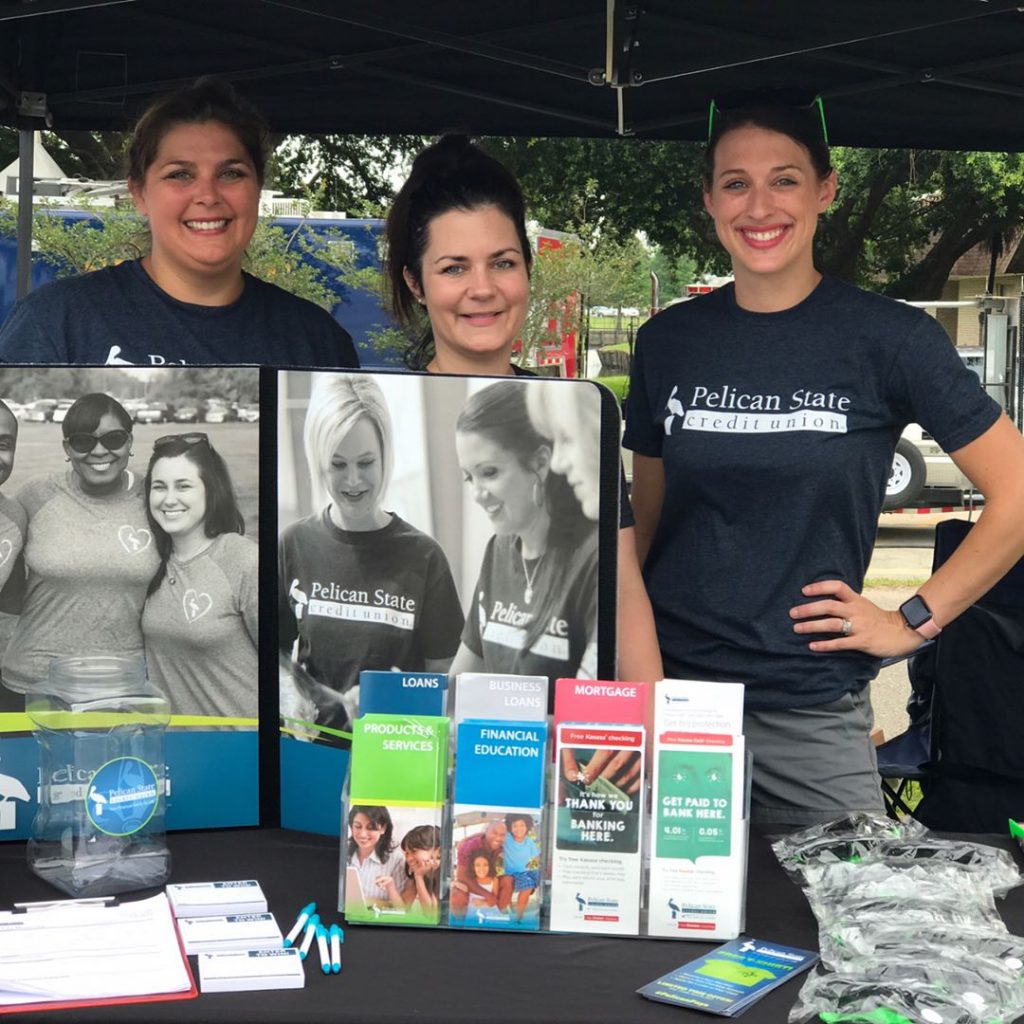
(403,974)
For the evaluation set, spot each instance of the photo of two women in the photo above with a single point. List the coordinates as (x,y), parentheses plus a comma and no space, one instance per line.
(128,527)
(432,523)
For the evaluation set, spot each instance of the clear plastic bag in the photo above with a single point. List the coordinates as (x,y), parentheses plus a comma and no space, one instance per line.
(874,936)
(844,839)
(856,999)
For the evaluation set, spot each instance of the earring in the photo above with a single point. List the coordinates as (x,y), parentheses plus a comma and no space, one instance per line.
(67,458)
(538,493)
(131,454)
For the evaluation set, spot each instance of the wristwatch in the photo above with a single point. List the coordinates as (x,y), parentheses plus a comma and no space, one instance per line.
(918,616)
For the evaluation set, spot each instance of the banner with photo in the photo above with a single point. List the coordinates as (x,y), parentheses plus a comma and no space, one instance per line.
(433,524)
(129,520)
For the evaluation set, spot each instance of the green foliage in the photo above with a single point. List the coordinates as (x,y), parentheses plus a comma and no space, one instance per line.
(352,174)
(111,236)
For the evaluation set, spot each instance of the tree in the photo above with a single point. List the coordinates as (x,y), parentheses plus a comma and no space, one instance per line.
(901,220)
(352,174)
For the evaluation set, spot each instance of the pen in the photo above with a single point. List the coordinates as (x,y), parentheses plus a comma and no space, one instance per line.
(86,901)
(307,939)
(300,923)
(321,942)
(337,938)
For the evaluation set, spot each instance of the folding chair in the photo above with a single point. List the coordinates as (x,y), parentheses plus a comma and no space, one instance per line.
(973,777)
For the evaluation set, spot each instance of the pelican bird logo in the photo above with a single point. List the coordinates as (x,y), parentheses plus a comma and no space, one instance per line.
(11,789)
(674,408)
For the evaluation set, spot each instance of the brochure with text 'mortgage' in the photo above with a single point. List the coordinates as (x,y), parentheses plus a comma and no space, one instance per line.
(596,863)
(729,979)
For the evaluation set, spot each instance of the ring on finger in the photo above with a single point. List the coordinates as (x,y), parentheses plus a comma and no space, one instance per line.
(847,627)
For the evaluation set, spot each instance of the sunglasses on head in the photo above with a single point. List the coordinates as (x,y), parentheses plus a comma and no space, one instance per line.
(779,98)
(113,440)
(195,437)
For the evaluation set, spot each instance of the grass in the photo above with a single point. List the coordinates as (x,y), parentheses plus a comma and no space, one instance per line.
(618,386)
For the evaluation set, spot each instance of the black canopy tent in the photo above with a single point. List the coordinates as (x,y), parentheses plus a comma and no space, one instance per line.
(943,74)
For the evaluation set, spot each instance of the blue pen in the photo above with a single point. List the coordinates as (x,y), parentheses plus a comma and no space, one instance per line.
(321,943)
(300,923)
(307,939)
(337,938)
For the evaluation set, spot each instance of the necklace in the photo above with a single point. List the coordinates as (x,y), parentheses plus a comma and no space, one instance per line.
(530,577)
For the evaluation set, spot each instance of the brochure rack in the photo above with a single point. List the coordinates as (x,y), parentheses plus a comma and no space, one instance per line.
(630,850)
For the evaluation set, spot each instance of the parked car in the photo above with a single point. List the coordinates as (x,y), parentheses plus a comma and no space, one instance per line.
(60,410)
(249,413)
(186,414)
(41,410)
(217,412)
(154,412)
(921,470)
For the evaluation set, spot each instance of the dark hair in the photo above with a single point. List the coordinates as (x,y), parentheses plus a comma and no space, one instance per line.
(452,174)
(802,124)
(510,819)
(84,416)
(206,99)
(499,413)
(424,837)
(222,514)
(379,817)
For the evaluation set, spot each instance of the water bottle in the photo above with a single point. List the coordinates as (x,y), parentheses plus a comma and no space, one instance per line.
(99,830)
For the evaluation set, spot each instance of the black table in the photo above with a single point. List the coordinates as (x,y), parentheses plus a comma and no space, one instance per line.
(397,975)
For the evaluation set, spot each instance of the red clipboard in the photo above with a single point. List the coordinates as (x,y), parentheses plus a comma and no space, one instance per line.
(154,997)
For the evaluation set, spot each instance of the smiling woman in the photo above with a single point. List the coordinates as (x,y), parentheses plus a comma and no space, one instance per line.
(197,161)
(360,588)
(84,525)
(793,388)
(201,619)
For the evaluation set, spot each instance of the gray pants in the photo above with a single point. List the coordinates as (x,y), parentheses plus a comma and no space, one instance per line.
(813,763)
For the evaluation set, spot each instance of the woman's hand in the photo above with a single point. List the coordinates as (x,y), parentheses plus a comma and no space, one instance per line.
(868,628)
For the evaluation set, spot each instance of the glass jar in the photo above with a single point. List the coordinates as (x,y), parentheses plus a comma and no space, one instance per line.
(100,724)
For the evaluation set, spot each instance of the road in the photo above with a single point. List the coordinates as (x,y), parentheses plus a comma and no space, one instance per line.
(902,560)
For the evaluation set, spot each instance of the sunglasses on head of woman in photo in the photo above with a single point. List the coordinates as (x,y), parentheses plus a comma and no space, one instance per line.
(183,440)
(113,440)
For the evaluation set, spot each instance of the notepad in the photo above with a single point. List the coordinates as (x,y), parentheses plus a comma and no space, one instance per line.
(92,953)
(231,931)
(248,970)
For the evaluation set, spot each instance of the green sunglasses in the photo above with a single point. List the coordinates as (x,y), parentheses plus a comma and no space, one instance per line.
(753,99)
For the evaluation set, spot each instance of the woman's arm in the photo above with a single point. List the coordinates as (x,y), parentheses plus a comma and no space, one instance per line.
(639,656)
(647,497)
(994,463)
(465,660)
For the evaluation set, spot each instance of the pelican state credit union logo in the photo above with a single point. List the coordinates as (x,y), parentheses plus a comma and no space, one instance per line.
(12,791)
(724,409)
(122,796)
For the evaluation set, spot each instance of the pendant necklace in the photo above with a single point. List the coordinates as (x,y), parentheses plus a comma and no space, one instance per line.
(530,577)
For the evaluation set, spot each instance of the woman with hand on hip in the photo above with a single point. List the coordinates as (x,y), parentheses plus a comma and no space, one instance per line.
(457,247)
(196,167)
(89,553)
(201,618)
(764,418)
(360,588)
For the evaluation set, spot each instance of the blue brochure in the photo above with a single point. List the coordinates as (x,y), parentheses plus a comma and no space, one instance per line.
(402,693)
(730,978)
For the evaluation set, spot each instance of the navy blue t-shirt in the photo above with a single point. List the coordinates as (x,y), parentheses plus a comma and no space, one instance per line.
(776,432)
(117,316)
